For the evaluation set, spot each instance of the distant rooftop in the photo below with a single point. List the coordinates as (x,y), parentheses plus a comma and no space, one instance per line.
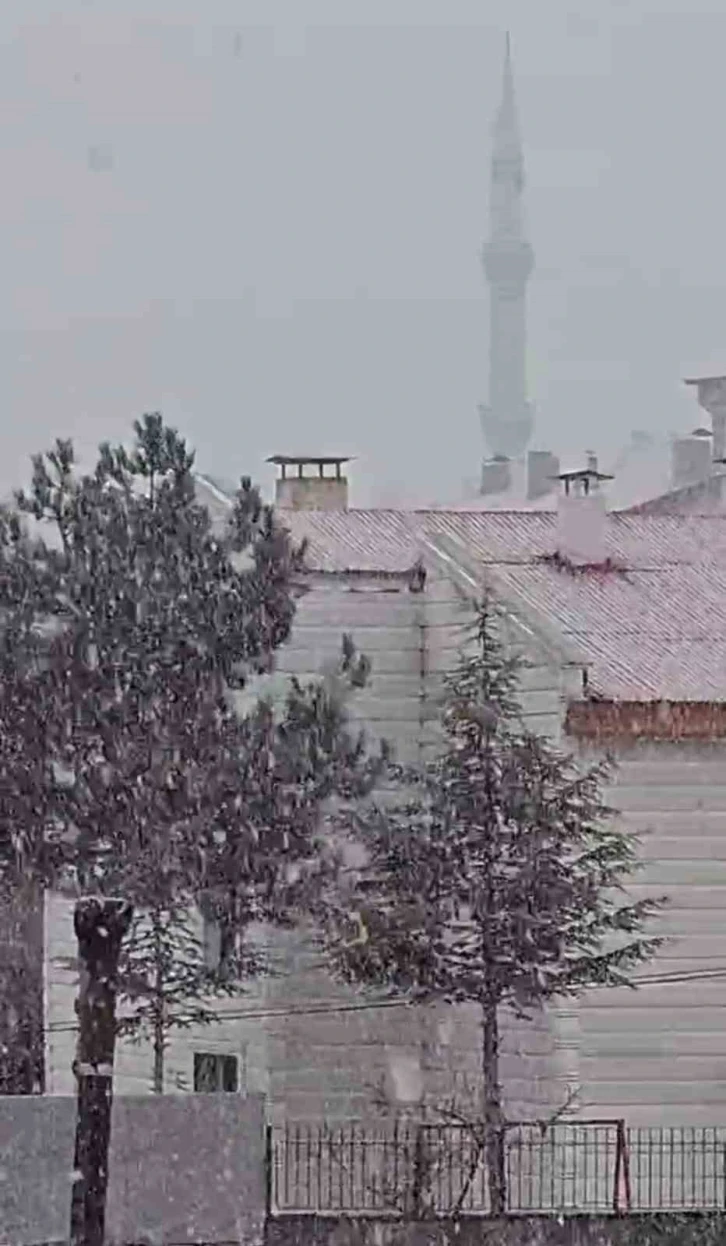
(640,472)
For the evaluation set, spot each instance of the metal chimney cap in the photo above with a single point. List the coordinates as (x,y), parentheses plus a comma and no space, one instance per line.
(299,460)
(584,473)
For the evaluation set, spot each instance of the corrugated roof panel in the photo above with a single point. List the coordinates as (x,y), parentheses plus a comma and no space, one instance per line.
(356,540)
(656,632)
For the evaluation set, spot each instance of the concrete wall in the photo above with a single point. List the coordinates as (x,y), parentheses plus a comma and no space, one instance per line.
(685,1229)
(180,1170)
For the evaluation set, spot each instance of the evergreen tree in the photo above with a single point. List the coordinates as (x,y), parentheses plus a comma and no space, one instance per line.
(130,626)
(141,619)
(31,845)
(497,876)
(167,981)
(262,856)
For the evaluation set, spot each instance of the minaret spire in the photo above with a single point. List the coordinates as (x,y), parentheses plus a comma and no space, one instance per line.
(507,118)
(508,261)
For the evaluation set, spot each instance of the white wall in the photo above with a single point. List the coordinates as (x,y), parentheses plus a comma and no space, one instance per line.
(658,1055)
(245,1038)
(388,624)
(328,1063)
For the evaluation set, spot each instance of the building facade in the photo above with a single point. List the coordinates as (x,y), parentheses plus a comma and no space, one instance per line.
(625,652)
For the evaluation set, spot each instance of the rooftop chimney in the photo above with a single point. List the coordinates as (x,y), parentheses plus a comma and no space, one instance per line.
(496,476)
(543,468)
(691,459)
(711,392)
(304,484)
(582,515)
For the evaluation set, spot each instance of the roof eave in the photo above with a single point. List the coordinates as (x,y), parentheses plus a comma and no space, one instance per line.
(614,721)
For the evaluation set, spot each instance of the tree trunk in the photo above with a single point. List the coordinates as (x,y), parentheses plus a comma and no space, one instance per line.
(159,1034)
(493,1114)
(100,926)
(158,1050)
(228,933)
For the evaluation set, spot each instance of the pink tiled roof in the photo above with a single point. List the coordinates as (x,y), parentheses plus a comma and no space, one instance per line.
(656,632)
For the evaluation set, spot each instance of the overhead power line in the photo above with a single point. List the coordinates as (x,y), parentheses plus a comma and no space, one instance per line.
(329,1008)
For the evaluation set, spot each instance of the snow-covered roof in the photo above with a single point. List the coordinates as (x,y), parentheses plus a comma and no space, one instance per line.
(652,629)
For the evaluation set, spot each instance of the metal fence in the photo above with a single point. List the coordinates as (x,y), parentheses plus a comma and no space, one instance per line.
(585,1166)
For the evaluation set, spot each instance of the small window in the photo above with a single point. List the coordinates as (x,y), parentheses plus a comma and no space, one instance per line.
(213,1073)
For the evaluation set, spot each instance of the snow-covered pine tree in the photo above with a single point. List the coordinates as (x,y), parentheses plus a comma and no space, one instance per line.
(497,878)
(31,846)
(167,982)
(261,854)
(137,622)
(150,617)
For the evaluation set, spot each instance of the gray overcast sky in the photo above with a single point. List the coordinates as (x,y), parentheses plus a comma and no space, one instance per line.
(284,252)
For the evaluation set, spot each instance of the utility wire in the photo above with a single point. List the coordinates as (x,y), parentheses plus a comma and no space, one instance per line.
(331,1008)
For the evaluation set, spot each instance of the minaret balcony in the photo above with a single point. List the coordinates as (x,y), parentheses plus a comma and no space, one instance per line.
(508,262)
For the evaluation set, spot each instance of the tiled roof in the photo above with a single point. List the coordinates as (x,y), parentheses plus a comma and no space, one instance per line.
(658,631)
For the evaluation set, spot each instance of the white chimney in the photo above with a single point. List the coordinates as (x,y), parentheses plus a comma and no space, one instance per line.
(582,515)
(543,468)
(496,476)
(691,459)
(711,392)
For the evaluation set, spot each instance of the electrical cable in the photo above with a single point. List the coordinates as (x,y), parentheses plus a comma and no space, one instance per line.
(331,1008)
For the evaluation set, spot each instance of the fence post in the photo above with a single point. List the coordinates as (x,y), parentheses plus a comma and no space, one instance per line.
(269,1145)
(501,1143)
(419,1173)
(616,1178)
(622,1168)
(626,1168)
